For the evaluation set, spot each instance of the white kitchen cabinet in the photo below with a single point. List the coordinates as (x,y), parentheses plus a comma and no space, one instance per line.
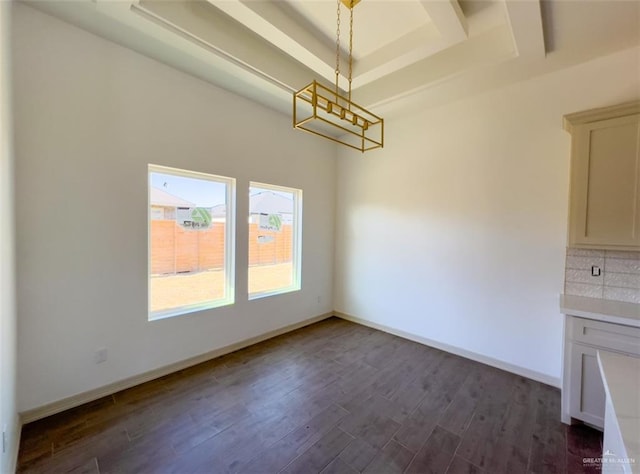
(586,333)
(604,209)
(587,391)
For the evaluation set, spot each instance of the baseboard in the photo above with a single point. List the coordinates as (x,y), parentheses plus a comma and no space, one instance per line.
(91,395)
(514,369)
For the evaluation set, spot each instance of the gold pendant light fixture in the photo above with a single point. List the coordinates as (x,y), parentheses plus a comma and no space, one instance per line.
(325,112)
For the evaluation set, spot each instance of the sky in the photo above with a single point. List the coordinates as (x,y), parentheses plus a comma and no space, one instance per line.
(201,192)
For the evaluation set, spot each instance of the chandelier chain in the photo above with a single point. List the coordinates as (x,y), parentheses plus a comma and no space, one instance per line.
(350,51)
(337,44)
(319,110)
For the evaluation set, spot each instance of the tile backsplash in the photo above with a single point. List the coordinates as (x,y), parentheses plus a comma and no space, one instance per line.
(619,278)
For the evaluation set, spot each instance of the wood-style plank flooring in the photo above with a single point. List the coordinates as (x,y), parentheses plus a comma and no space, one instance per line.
(334,397)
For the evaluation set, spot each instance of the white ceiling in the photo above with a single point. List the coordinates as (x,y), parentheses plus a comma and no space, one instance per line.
(373,27)
(407,53)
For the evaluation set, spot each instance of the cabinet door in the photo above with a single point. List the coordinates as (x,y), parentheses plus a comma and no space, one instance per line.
(605,184)
(587,390)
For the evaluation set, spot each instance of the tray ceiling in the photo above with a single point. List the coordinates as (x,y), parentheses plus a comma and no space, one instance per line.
(404,50)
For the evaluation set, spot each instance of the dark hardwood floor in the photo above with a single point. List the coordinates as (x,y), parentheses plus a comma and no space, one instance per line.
(334,397)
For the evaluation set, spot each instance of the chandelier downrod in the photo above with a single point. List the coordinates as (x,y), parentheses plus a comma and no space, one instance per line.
(351,124)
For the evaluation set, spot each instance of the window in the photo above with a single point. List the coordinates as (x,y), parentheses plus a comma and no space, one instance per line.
(275,216)
(191,241)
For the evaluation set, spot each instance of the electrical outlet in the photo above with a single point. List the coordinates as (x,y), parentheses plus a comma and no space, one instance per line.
(100,356)
(595,271)
(319,299)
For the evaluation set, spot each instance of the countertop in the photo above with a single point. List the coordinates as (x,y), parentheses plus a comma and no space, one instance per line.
(621,377)
(601,310)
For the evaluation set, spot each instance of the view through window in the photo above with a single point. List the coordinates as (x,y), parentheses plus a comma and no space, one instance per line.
(274,239)
(190,241)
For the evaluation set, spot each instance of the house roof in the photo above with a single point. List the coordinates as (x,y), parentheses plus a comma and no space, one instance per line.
(159,197)
(268,202)
(265,202)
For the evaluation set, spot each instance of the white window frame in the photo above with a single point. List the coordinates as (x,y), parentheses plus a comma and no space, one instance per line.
(296,237)
(229,247)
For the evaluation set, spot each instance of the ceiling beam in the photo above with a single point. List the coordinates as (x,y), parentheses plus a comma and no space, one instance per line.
(212,31)
(406,50)
(489,48)
(448,26)
(268,22)
(448,17)
(525,20)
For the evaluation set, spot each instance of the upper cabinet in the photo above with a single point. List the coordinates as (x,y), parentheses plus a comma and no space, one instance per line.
(604,209)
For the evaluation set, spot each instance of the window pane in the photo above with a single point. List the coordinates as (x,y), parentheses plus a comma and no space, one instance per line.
(189,262)
(274,247)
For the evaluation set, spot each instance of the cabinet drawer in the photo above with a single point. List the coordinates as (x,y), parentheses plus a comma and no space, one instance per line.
(611,336)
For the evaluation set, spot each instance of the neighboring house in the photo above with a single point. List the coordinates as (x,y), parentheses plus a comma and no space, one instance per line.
(163,204)
(264,202)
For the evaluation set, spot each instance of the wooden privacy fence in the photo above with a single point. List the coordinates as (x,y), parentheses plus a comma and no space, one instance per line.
(178,250)
(270,247)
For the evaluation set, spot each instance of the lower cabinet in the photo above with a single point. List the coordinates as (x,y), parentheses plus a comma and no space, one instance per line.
(583,394)
(588,397)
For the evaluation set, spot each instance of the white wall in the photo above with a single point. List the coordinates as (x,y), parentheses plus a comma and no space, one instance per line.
(456,231)
(8,412)
(89,117)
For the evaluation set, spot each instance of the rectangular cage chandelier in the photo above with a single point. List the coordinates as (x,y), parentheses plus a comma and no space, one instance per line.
(323,111)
